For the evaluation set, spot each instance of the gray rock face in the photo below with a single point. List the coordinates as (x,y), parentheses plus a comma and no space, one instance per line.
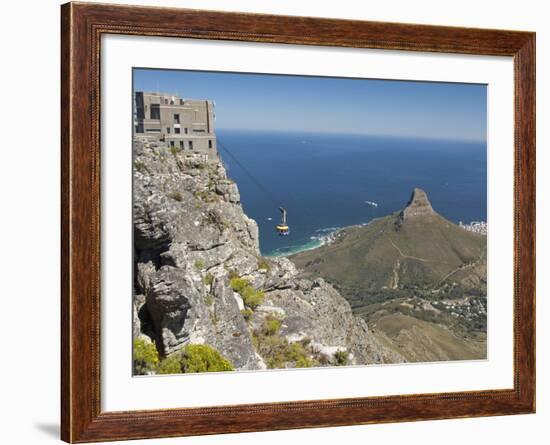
(315,310)
(418,205)
(191,237)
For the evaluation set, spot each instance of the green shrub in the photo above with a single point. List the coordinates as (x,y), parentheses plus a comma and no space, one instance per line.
(277,352)
(194,358)
(298,354)
(264,265)
(303,362)
(272,325)
(203,358)
(238,284)
(341,358)
(146,357)
(251,297)
(272,348)
(208,279)
(170,365)
(247,313)
(209,299)
(175,150)
(199,264)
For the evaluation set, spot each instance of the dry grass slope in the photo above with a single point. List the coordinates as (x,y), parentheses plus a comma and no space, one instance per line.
(419,279)
(423,253)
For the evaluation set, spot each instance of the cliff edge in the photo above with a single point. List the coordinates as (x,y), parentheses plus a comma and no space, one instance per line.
(199,277)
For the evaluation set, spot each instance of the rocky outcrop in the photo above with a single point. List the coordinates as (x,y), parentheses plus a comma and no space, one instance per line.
(191,238)
(315,310)
(418,206)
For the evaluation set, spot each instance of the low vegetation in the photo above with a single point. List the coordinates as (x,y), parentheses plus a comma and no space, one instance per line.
(341,358)
(203,358)
(264,265)
(247,313)
(170,365)
(146,357)
(191,359)
(208,279)
(276,351)
(252,298)
(462,309)
(238,284)
(272,325)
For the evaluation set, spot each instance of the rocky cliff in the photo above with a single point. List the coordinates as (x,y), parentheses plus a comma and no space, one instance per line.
(418,206)
(200,278)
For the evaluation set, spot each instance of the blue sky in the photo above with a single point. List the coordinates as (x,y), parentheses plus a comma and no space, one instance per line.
(334,105)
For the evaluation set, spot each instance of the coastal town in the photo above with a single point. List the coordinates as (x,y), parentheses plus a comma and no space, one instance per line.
(474,226)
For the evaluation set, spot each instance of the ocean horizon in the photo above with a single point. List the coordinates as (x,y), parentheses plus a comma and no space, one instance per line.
(328,181)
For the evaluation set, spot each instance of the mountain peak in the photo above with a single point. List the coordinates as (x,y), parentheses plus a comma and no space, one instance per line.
(418,205)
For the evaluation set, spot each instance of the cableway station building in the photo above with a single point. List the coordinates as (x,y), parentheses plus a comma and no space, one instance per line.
(184,124)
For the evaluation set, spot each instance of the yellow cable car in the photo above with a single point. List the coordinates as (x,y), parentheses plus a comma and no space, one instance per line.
(282,228)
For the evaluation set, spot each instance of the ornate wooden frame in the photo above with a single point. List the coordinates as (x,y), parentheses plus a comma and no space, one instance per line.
(81,28)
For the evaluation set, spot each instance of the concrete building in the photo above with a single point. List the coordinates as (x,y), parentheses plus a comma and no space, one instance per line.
(185,124)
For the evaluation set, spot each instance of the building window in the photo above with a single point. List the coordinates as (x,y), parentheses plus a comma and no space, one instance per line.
(190,145)
(209,143)
(181,145)
(177,130)
(153,130)
(155,111)
(182,102)
(168,130)
(172,144)
(186,130)
(139,105)
(176,118)
(139,128)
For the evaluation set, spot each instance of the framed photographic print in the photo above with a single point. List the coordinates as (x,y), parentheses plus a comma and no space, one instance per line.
(276,222)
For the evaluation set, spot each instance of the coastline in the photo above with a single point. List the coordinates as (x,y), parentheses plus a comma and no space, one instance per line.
(326,236)
(329,235)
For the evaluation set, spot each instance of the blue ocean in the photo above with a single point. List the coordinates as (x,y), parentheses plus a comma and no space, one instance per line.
(329,181)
